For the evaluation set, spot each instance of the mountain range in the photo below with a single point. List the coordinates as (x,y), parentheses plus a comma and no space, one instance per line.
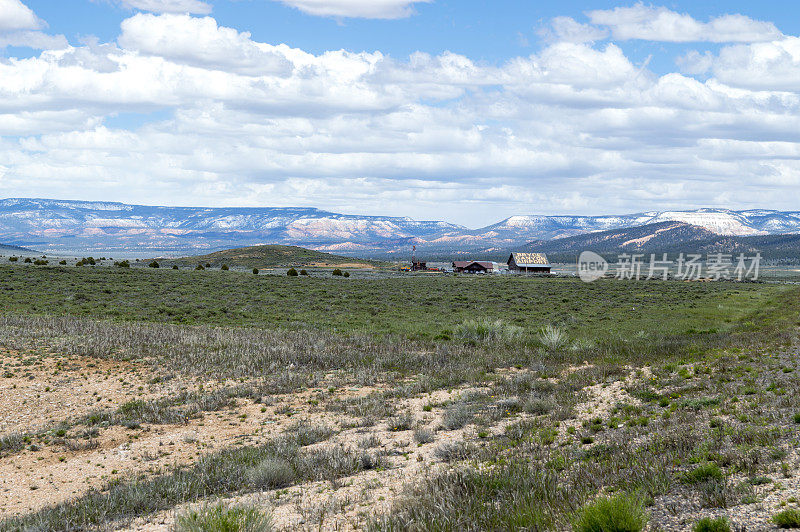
(69,227)
(667,237)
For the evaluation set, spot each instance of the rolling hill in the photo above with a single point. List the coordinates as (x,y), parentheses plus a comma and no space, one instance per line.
(6,249)
(271,256)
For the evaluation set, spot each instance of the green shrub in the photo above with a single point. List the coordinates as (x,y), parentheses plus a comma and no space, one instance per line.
(153,264)
(337,272)
(423,435)
(27,260)
(271,473)
(291,272)
(40,262)
(797,418)
(486,330)
(122,264)
(224,267)
(787,518)
(200,267)
(553,338)
(620,513)
(13,259)
(457,415)
(222,518)
(175,267)
(704,473)
(303,272)
(62,262)
(346,274)
(402,422)
(255,271)
(707,524)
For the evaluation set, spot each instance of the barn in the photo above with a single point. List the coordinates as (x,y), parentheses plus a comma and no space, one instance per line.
(520,262)
(481,266)
(460,266)
(475,266)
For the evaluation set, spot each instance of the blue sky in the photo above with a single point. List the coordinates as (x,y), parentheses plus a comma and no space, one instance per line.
(467,27)
(469,111)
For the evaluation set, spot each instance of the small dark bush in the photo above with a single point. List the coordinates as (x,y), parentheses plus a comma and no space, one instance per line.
(174,266)
(346,274)
(27,260)
(303,272)
(62,262)
(200,268)
(13,259)
(224,267)
(337,272)
(787,518)
(153,264)
(255,271)
(707,524)
(122,264)
(704,473)
(291,272)
(40,262)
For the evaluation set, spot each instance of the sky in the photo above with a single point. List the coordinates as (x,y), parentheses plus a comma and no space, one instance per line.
(468,111)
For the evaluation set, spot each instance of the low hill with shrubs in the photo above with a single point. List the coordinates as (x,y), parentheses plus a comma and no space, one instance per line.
(273,256)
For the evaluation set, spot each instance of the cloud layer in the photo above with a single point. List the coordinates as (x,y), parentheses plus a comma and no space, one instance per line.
(168,6)
(380,9)
(181,110)
(661,24)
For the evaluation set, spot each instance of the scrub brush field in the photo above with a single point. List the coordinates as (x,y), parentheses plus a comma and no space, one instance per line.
(159,399)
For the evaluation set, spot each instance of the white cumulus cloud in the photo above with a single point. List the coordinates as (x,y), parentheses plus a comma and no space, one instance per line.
(14,15)
(662,24)
(380,9)
(201,42)
(768,66)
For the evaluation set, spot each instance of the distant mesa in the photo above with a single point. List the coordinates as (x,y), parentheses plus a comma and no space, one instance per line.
(85,227)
